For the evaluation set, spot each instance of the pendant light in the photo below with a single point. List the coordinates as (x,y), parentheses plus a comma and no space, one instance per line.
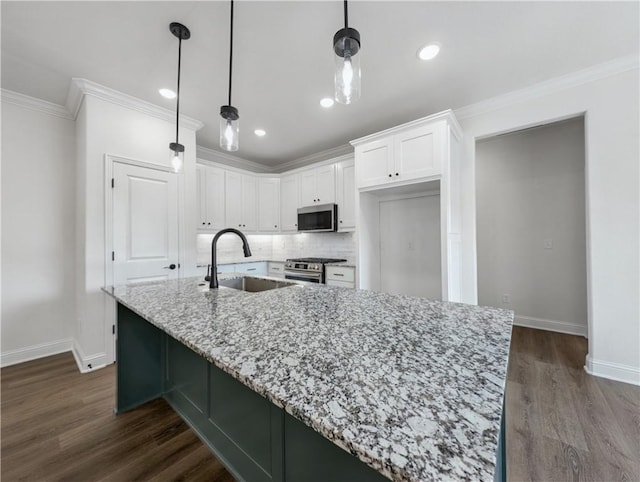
(346,45)
(229,121)
(177,149)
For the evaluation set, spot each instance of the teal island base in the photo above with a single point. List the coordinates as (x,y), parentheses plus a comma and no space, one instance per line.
(253,438)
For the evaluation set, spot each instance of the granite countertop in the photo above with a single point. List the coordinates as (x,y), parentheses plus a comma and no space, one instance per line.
(414,388)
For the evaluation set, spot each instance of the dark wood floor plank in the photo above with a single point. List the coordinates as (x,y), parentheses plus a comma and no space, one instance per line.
(562,424)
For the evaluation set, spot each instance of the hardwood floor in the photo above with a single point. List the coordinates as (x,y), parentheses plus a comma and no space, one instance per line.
(59,425)
(562,424)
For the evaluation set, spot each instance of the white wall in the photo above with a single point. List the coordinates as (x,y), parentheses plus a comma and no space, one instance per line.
(108,128)
(530,190)
(610,103)
(38,228)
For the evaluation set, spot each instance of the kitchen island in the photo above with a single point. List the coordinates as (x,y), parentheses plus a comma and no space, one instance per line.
(320,383)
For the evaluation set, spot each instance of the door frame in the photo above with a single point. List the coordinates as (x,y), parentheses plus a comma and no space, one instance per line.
(109,162)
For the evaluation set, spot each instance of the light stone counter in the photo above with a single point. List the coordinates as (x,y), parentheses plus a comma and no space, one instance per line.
(413,388)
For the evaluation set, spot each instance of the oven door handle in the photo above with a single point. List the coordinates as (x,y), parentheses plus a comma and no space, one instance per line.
(297,275)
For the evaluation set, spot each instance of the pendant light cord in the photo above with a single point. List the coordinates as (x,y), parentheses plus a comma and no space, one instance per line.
(178,93)
(230,51)
(346,15)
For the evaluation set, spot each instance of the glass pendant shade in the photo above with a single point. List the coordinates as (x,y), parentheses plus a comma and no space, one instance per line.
(177,156)
(347,65)
(229,128)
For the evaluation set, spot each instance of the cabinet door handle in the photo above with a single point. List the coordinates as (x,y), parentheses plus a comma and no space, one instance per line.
(209,224)
(203,224)
(338,274)
(275,269)
(251,269)
(341,220)
(239,225)
(389,175)
(397,174)
(275,225)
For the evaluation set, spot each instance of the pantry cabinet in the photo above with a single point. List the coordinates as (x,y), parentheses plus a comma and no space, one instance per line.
(414,160)
(268,205)
(318,186)
(210,196)
(346,195)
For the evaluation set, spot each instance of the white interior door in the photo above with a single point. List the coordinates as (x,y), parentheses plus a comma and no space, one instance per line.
(410,261)
(145,224)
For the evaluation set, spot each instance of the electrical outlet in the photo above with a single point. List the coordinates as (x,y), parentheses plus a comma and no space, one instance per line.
(506,299)
(548,243)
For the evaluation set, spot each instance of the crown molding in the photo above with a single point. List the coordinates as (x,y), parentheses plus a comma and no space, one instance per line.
(81,87)
(328,154)
(35,104)
(445,114)
(220,157)
(556,84)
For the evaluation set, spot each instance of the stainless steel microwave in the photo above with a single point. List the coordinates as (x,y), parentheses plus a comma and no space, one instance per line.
(318,219)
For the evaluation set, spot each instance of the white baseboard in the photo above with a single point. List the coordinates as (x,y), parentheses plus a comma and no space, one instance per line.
(33,352)
(88,364)
(613,371)
(551,325)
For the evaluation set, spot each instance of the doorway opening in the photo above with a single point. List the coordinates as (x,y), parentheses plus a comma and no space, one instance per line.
(531,225)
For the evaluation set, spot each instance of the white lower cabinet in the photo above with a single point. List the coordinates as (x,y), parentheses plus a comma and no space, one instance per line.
(258,268)
(344,276)
(276,269)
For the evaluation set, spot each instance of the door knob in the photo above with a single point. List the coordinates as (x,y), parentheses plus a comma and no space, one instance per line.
(171,266)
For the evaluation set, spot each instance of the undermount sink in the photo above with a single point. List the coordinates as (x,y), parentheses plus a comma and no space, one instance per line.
(253,285)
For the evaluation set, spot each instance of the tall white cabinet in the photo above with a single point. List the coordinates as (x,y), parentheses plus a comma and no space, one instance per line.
(418,158)
(289,202)
(268,205)
(346,194)
(210,195)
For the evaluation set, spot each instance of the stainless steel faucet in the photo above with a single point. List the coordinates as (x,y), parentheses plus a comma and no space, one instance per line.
(213,282)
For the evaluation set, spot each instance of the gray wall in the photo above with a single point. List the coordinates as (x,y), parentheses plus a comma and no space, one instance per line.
(531,225)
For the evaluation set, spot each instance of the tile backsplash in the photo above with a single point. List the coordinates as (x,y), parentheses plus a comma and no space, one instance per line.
(279,247)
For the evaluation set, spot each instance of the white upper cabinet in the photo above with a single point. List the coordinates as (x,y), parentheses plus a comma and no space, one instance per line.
(318,186)
(268,205)
(289,202)
(241,201)
(210,195)
(375,162)
(402,156)
(346,195)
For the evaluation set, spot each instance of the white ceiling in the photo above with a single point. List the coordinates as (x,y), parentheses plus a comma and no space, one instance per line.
(283,61)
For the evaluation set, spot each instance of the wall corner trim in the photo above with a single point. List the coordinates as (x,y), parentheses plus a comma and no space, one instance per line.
(33,352)
(82,87)
(551,86)
(613,371)
(87,364)
(35,104)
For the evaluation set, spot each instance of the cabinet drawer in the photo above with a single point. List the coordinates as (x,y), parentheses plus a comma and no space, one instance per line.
(341,273)
(276,269)
(258,268)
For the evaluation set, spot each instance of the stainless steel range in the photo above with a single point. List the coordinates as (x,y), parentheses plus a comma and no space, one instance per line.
(308,269)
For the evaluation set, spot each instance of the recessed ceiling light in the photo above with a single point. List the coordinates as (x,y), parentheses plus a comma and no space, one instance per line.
(428,52)
(260,132)
(326,102)
(167,93)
